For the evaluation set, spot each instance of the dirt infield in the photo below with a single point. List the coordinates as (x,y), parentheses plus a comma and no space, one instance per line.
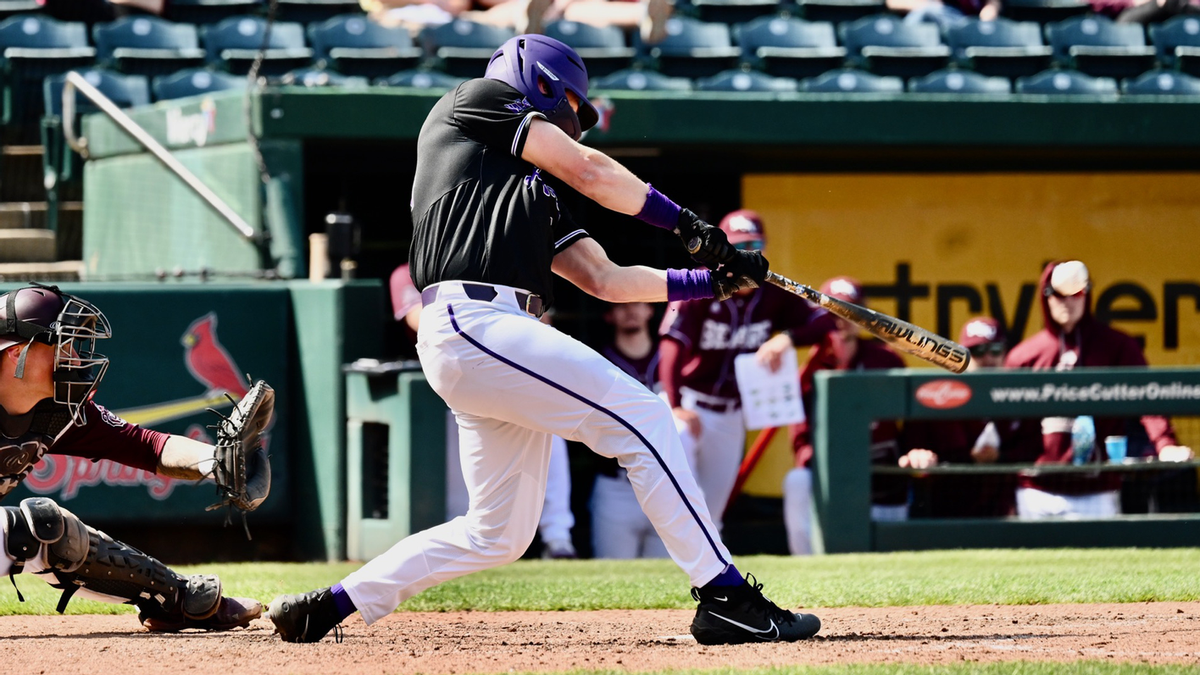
(478,642)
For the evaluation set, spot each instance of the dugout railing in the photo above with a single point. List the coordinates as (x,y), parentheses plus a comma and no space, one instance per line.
(847,403)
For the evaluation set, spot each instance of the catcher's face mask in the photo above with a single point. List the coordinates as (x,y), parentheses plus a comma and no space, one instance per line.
(70,326)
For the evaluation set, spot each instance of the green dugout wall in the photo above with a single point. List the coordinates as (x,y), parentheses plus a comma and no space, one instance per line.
(848,402)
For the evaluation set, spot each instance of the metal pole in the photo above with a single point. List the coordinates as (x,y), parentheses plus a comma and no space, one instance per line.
(76,81)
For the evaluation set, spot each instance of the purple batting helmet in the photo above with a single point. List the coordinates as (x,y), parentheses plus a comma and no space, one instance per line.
(526,60)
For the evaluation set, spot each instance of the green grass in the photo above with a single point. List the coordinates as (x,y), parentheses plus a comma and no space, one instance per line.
(863,580)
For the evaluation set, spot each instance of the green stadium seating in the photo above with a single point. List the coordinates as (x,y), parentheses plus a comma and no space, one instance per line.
(234,44)
(32,47)
(194,82)
(1097,46)
(146,45)
(11,7)
(787,47)
(319,77)
(422,79)
(959,82)
(692,49)
(1002,47)
(1178,43)
(852,81)
(354,45)
(602,48)
(886,45)
(463,48)
(641,80)
(746,81)
(1162,83)
(1066,82)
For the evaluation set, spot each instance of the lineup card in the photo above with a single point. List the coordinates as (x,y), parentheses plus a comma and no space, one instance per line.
(769,399)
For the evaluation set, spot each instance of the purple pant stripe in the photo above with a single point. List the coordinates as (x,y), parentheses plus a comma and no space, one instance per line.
(606,411)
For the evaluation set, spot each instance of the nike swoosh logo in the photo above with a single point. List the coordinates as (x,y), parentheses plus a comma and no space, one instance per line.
(771,633)
(721,599)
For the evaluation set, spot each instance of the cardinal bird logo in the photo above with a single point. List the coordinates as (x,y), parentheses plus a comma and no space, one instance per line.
(207,360)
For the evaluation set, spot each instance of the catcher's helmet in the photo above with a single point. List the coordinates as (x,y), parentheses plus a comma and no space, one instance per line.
(526,60)
(68,324)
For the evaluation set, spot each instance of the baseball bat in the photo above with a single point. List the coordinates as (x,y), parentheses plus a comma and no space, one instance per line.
(902,335)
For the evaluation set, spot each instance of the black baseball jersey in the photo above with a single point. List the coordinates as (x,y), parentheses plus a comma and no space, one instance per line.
(480,212)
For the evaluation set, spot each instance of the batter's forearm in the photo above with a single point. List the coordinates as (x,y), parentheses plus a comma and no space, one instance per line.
(185,458)
(589,171)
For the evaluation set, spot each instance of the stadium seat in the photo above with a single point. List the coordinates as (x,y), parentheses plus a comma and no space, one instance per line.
(12,7)
(745,81)
(206,12)
(194,82)
(1043,11)
(641,80)
(422,79)
(319,77)
(849,80)
(315,11)
(235,42)
(1001,47)
(1178,43)
(1065,82)
(61,164)
(145,45)
(32,47)
(839,11)
(1097,46)
(693,49)
(787,47)
(463,48)
(355,45)
(602,48)
(733,11)
(886,45)
(959,82)
(1162,83)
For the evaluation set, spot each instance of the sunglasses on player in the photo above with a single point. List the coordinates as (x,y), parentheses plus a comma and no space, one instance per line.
(1051,293)
(751,245)
(993,348)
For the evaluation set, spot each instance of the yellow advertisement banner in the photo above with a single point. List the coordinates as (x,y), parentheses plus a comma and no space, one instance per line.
(936,249)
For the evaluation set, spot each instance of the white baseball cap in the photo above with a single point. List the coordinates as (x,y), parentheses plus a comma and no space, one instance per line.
(1069,278)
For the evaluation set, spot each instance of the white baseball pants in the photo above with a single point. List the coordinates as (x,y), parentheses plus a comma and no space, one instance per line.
(512,382)
(717,452)
(1034,503)
(620,529)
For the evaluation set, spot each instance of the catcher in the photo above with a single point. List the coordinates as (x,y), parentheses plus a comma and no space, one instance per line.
(49,371)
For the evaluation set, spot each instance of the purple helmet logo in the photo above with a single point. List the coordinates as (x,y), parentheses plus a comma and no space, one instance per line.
(532,64)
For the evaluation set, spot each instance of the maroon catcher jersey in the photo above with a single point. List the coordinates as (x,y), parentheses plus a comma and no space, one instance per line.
(25,438)
(710,334)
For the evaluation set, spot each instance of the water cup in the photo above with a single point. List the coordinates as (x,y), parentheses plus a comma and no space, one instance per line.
(1115,446)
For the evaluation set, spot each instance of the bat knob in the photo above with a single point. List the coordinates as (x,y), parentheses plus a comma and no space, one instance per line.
(693,244)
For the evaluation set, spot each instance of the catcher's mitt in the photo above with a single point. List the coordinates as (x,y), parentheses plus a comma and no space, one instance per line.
(242,470)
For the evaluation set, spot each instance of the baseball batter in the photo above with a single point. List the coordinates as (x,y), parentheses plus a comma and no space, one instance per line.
(700,342)
(49,371)
(488,234)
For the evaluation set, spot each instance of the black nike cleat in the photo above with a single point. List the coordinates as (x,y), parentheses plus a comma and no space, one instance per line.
(730,615)
(306,617)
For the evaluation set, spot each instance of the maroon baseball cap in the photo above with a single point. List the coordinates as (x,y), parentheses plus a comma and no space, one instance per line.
(844,288)
(743,225)
(980,330)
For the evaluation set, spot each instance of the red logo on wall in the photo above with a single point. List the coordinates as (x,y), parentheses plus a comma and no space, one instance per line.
(943,394)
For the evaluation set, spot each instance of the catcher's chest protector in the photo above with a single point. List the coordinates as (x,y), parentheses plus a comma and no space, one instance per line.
(25,438)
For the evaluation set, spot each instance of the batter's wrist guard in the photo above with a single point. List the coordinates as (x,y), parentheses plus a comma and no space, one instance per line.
(689,285)
(658,210)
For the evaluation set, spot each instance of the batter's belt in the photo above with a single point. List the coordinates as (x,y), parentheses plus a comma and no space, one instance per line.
(530,303)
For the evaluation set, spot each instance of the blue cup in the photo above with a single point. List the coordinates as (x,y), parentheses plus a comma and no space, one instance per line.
(1115,446)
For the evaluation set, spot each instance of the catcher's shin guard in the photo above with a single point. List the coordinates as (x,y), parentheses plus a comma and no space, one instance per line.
(79,556)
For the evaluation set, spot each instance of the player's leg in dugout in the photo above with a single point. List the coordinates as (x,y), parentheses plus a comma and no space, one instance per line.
(491,361)
(718,455)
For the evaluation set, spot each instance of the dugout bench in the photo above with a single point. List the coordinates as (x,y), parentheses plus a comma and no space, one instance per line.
(846,403)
